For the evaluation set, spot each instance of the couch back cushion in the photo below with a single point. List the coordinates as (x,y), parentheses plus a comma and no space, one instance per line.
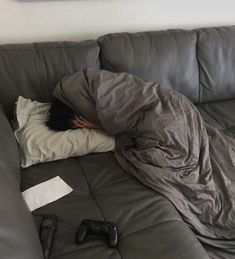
(216,59)
(32,70)
(167,57)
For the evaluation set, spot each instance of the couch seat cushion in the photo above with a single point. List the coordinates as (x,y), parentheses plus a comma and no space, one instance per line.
(220,114)
(149,226)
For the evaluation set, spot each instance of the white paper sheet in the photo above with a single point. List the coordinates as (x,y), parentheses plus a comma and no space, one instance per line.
(46,192)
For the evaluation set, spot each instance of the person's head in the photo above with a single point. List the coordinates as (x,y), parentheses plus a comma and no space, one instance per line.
(61,116)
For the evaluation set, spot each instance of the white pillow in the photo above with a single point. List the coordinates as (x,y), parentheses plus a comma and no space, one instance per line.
(40,144)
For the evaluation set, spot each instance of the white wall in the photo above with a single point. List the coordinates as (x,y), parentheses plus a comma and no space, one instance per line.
(83,19)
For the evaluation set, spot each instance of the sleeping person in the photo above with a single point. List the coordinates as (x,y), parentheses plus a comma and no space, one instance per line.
(162,140)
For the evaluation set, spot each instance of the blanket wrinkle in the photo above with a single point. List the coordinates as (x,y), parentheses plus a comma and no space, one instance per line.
(162,140)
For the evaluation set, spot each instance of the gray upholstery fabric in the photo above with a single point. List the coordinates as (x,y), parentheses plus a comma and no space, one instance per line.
(167,57)
(32,70)
(220,115)
(149,226)
(10,160)
(216,57)
(18,236)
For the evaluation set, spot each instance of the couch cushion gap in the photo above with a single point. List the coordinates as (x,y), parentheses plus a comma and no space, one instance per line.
(94,198)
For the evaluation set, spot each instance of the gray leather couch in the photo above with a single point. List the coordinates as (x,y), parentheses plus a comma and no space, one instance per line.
(198,63)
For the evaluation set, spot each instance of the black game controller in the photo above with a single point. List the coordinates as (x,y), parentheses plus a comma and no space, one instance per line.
(96,227)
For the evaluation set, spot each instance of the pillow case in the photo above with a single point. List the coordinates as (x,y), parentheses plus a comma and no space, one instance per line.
(39,144)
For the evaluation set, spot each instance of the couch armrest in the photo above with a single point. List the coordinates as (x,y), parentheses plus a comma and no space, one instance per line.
(9,152)
(18,235)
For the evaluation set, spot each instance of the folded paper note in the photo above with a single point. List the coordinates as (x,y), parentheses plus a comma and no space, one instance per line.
(46,192)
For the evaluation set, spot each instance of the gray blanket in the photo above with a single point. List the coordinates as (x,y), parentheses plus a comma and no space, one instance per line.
(163,141)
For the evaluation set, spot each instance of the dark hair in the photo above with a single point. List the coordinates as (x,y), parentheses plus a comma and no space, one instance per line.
(60,116)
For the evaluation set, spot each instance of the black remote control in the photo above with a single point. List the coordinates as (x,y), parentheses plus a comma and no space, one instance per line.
(47,233)
(96,227)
